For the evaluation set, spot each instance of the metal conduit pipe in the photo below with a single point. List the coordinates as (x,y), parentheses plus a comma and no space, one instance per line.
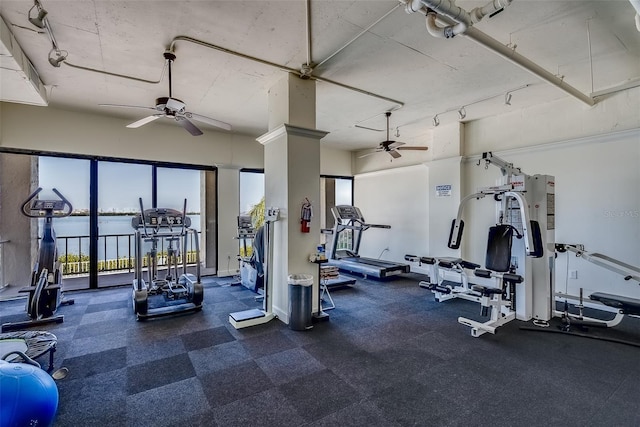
(281,67)
(525,63)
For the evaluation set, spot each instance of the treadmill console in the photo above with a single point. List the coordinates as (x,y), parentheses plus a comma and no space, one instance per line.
(346,212)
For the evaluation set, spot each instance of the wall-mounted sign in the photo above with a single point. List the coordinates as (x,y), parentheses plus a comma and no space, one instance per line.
(443,190)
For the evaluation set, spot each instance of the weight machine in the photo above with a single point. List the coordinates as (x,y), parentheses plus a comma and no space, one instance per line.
(617,304)
(173,293)
(519,266)
(45,292)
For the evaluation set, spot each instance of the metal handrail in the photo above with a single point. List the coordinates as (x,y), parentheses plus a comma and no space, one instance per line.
(72,263)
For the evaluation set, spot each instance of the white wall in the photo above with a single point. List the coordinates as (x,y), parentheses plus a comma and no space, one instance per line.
(594,154)
(398,197)
(334,162)
(597,204)
(560,120)
(48,129)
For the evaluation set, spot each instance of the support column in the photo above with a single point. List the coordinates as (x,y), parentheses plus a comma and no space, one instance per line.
(227,227)
(292,174)
(18,178)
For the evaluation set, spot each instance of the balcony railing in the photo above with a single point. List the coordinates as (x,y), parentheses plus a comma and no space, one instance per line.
(116,253)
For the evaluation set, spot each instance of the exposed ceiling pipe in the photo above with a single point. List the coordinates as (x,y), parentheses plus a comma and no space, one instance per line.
(443,32)
(360,34)
(636,6)
(449,9)
(453,15)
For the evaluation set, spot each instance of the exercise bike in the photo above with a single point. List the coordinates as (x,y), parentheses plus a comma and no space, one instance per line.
(45,292)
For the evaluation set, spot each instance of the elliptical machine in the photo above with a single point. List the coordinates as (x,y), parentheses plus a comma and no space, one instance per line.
(173,292)
(45,292)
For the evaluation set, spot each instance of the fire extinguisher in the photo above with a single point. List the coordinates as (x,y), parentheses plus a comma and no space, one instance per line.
(305,216)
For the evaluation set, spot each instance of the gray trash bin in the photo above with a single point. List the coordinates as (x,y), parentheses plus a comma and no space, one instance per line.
(300,300)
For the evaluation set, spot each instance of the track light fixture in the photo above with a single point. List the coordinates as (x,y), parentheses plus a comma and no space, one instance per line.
(60,55)
(462,111)
(56,56)
(37,20)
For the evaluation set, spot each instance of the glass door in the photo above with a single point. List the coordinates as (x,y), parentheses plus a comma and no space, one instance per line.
(120,188)
(174,188)
(70,177)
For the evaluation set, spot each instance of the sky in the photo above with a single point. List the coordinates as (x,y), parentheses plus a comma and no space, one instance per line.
(121,184)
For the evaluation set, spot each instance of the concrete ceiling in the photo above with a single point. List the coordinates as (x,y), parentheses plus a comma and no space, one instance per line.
(593,44)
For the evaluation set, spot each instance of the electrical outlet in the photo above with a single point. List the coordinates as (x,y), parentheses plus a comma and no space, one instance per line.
(573,274)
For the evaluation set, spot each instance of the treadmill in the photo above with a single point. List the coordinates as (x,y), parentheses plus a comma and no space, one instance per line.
(343,252)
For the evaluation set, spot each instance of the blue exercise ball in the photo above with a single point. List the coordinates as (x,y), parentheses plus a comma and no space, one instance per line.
(28,394)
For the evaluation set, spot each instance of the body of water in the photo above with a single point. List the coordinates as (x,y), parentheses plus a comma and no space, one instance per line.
(108,247)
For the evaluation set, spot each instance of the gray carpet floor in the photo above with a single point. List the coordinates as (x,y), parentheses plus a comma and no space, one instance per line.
(389,356)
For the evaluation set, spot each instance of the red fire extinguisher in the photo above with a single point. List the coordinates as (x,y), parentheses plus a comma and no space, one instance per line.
(305,216)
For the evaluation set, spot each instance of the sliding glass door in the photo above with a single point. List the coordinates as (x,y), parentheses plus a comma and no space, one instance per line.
(120,188)
(70,177)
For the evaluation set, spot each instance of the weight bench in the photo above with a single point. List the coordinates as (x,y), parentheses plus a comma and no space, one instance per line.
(33,344)
(446,289)
(622,305)
(497,302)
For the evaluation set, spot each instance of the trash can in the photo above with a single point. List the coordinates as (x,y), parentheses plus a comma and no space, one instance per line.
(300,300)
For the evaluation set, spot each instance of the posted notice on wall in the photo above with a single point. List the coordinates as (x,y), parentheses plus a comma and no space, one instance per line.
(443,190)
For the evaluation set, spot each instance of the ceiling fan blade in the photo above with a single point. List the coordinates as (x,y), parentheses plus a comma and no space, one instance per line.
(394,154)
(416,148)
(209,121)
(127,106)
(369,153)
(190,127)
(144,121)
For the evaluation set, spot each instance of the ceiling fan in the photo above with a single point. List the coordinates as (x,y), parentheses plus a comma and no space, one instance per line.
(392,147)
(172,108)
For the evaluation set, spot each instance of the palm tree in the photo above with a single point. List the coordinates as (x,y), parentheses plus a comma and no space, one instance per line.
(257,214)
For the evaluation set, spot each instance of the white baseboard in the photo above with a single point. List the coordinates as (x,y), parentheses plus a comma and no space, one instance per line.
(282,315)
